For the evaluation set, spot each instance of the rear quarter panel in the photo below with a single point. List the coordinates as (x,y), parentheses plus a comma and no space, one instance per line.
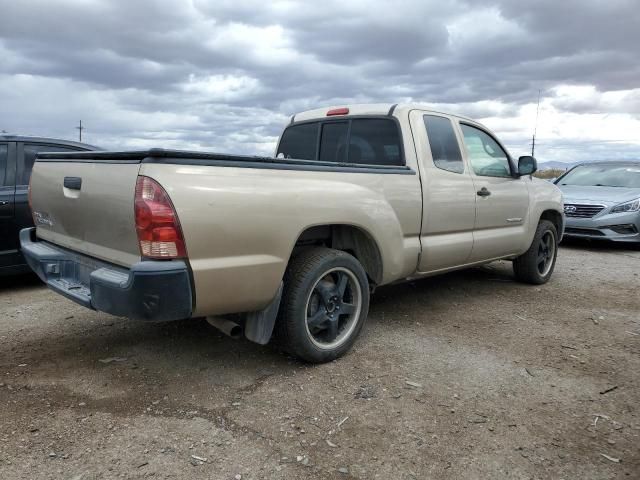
(241,224)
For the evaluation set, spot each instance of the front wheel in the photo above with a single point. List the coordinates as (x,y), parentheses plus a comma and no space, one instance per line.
(324,306)
(536,264)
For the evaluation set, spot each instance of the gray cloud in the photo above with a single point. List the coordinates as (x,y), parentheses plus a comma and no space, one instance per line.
(226,74)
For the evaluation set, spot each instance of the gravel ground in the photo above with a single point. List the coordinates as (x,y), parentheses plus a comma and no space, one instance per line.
(468,375)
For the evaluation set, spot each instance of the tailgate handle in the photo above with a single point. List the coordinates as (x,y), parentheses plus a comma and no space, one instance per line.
(73,183)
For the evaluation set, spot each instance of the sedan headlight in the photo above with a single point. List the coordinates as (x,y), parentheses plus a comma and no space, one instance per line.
(632,206)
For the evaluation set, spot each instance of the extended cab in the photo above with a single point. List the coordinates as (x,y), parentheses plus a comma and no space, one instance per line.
(356,197)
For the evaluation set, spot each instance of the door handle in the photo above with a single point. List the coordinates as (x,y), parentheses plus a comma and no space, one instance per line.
(483,192)
(3,203)
(73,183)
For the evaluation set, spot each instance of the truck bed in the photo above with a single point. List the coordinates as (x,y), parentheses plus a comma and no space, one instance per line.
(187,157)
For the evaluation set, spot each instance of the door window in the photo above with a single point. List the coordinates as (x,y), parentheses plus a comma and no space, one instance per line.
(487,158)
(30,152)
(445,150)
(4,164)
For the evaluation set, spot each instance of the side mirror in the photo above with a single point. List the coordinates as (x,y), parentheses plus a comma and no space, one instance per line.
(527,165)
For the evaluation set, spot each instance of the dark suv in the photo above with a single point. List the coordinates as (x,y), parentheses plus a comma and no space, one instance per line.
(17,155)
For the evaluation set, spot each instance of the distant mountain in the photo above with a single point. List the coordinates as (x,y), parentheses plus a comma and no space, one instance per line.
(565,165)
(554,164)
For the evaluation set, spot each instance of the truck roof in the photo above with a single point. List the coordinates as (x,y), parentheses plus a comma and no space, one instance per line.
(57,141)
(370,109)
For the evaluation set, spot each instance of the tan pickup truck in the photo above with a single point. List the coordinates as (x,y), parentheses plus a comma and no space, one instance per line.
(356,197)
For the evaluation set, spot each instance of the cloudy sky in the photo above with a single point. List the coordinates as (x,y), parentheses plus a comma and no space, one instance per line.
(226,75)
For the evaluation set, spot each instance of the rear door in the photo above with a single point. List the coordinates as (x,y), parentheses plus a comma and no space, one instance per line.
(502,205)
(8,236)
(448,194)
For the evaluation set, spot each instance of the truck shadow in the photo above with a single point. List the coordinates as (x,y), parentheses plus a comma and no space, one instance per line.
(451,288)
(73,353)
(19,282)
(95,340)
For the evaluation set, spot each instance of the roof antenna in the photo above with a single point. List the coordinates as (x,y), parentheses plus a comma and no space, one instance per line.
(535,128)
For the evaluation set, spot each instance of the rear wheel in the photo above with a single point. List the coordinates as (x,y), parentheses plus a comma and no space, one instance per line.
(324,306)
(536,264)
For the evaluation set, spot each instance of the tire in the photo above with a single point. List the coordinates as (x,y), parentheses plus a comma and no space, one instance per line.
(325,302)
(536,265)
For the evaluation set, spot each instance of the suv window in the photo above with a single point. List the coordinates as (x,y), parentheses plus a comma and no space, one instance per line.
(487,158)
(30,151)
(445,150)
(4,157)
(299,141)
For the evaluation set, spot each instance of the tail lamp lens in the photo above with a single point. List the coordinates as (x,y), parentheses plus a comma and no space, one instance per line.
(157,225)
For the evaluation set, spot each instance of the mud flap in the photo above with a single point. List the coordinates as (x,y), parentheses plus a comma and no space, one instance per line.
(259,325)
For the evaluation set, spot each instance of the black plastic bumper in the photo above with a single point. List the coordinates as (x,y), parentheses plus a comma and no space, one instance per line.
(148,290)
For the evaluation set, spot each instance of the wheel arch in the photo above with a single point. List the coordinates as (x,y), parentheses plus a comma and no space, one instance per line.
(349,238)
(554,217)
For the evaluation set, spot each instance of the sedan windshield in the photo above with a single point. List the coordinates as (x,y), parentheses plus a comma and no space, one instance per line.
(603,176)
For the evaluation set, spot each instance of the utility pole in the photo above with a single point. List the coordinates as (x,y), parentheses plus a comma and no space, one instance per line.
(80,128)
(535,128)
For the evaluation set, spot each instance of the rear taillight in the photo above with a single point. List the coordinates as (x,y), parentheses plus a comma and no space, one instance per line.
(157,225)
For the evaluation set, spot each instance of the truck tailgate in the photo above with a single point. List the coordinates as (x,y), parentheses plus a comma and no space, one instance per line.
(87,206)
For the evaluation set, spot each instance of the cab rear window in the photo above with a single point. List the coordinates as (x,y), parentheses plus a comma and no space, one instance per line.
(300,141)
(364,141)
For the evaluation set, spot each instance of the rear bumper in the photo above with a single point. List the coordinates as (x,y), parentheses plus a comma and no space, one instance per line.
(148,290)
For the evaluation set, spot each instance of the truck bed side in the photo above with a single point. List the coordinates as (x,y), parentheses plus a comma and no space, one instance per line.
(241,224)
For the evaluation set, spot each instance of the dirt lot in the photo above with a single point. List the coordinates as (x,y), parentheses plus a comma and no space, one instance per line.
(469,375)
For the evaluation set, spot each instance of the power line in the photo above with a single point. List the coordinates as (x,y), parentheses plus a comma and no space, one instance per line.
(535,128)
(80,129)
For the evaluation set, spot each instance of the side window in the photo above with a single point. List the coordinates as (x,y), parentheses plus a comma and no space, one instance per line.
(444,144)
(487,158)
(374,141)
(333,142)
(299,141)
(30,152)
(4,161)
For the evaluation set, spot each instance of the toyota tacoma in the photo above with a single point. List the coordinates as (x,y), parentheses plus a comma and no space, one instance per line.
(290,246)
